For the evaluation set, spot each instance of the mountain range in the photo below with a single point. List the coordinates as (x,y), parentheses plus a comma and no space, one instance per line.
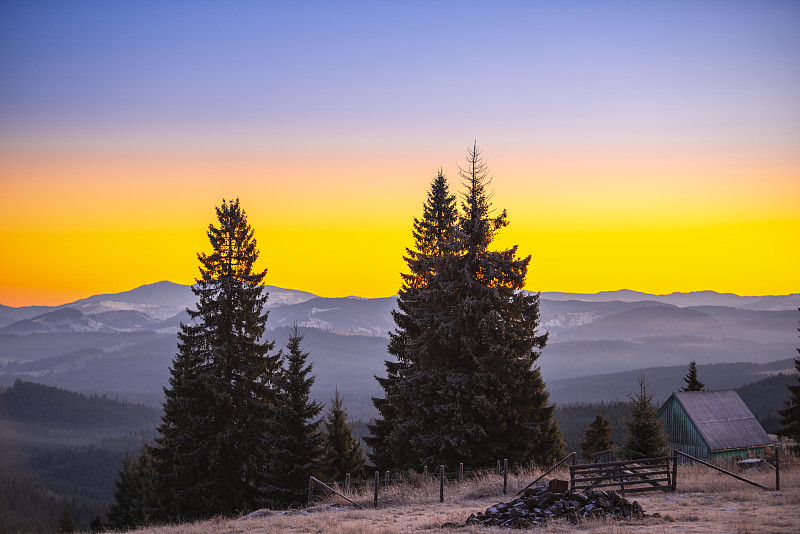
(122,344)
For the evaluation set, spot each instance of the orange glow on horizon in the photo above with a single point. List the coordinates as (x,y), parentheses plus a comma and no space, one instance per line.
(337,224)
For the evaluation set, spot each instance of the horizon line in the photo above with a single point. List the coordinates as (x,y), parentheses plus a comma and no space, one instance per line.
(620,290)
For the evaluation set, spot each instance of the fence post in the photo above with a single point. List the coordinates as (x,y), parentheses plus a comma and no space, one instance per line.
(505,476)
(571,478)
(674,469)
(441,483)
(377,483)
(777,467)
(498,467)
(461,472)
(425,471)
(310,489)
(386,483)
(347,483)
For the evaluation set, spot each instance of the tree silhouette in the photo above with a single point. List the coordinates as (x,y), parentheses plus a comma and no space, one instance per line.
(389,434)
(467,388)
(645,435)
(343,452)
(211,454)
(692,383)
(134,493)
(66,524)
(791,414)
(296,441)
(597,436)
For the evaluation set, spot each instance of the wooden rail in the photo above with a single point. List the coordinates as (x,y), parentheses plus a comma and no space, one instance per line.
(314,480)
(648,474)
(737,477)
(573,455)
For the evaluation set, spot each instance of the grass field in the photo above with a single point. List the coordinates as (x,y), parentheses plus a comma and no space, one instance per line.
(705,501)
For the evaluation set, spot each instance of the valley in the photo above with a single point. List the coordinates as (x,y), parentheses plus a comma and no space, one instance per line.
(122,345)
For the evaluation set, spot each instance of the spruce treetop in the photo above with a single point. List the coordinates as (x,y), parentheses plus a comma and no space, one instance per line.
(597,436)
(477,225)
(692,383)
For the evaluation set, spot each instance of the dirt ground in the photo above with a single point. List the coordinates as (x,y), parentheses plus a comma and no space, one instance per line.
(704,503)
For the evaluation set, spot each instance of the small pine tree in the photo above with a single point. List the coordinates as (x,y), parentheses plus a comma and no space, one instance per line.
(343,453)
(791,414)
(296,441)
(123,513)
(134,497)
(597,436)
(96,524)
(692,383)
(66,524)
(645,438)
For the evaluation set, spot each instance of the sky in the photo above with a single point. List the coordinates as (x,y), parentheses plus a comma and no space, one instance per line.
(652,146)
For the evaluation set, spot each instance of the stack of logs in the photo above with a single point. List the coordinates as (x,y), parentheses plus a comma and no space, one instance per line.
(538,506)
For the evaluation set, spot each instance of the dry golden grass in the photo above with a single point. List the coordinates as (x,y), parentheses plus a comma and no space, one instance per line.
(706,501)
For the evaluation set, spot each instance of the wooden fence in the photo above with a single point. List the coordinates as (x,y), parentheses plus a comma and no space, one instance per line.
(631,476)
(607,455)
(649,474)
(737,477)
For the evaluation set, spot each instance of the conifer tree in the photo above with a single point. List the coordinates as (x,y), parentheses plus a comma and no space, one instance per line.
(66,524)
(389,438)
(296,440)
(343,453)
(471,391)
(126,493)
(791,414)
(692,383)
(597,436)
(96,524)
(211,453)
(134,493)
(645,435)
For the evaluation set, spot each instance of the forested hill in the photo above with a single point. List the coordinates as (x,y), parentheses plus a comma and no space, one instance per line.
(27,402)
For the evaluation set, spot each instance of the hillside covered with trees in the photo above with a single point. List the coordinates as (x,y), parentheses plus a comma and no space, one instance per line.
(62,449)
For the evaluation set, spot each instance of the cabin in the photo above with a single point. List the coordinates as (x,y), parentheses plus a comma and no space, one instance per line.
(716,426)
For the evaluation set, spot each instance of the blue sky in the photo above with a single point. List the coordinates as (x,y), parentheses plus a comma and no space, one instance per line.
(634,144)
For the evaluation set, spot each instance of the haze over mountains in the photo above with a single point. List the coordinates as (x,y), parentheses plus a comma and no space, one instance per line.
(122,344)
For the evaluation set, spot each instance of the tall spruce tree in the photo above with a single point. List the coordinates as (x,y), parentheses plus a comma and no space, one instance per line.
(343,453)
(296,440)
(645,435)
(211,454)
(597,436)
(791,414)
(692,383)
(389,434)
(468,335)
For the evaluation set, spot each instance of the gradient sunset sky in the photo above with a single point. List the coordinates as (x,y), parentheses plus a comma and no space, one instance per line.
(652,146)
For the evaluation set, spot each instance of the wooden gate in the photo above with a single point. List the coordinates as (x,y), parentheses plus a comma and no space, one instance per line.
(649,474)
